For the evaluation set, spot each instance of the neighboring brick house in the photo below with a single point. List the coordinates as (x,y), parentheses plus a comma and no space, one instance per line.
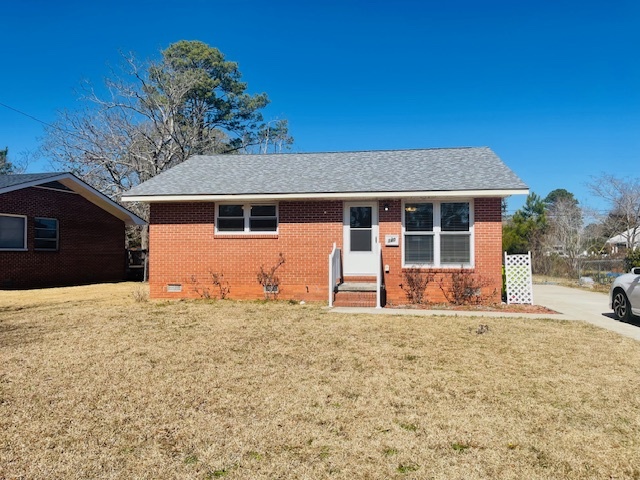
(387,211)
(56,230)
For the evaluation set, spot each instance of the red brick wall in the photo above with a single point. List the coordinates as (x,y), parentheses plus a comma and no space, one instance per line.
(184,250)
(91,242)
(487,253)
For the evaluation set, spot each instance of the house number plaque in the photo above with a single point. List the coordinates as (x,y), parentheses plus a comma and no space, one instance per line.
(391,240)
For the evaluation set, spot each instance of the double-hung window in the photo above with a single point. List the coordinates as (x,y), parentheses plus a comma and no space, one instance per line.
(246,218)
(437,234)
(455,233)
(13,232)
(419,234)
(46,234)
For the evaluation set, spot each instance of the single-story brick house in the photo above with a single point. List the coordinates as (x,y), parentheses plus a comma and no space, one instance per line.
(56,230)
(386,212)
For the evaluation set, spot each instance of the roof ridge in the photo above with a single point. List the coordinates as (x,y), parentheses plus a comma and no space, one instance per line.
(387,150)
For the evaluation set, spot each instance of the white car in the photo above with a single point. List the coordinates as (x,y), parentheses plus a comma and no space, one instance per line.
(624,296)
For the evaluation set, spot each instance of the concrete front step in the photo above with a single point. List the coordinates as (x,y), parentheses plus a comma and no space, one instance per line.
(357,287)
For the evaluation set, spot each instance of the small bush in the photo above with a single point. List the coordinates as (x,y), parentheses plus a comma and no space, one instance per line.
(414,284)
(218,283)
(466,288)
(140,294)
(201,290)
(269,280)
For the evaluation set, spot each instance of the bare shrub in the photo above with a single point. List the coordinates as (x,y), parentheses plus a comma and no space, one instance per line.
(201,290)
(140,294)
(218,283)
(269,280)
(465,288)
(414,284)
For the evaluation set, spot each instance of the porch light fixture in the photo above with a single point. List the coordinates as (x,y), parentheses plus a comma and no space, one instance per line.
(386,207)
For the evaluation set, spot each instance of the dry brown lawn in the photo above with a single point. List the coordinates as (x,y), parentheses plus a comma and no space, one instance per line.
(96,385)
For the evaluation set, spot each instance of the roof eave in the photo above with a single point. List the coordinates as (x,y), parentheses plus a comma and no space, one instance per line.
(502,193)
(86,191)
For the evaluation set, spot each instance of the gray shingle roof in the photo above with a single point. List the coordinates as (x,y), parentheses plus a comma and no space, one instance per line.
(67,181)
(19,178)
(443,169)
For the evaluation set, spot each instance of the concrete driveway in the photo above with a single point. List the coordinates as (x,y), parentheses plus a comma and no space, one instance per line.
(578,304)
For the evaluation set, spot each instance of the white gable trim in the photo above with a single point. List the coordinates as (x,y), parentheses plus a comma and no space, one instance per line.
(84,190)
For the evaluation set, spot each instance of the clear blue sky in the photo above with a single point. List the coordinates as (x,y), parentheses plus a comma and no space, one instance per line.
(553,87)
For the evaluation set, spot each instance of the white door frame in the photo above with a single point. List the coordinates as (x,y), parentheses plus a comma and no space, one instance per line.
(363,263)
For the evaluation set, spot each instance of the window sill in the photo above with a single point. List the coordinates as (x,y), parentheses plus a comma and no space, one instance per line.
(235,236)
(443,269)
(14,249)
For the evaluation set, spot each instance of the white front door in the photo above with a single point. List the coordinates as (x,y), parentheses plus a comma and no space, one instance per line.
(360,238)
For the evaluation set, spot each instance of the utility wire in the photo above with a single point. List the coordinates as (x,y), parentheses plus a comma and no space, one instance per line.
(55,127)
(29,116)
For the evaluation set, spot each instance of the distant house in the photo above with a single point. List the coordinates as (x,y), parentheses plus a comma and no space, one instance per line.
(438,210)
(56,230)
(620,243)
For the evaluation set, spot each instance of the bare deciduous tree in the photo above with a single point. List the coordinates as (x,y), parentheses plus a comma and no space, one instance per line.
(623,197)
(155,116)
(566,234)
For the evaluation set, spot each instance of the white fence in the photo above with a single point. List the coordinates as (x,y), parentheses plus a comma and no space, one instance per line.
(517,269)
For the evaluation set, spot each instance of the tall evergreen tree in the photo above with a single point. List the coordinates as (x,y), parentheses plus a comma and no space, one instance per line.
(6,167)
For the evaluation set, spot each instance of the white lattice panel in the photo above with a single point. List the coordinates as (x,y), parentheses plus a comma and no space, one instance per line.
(517,270)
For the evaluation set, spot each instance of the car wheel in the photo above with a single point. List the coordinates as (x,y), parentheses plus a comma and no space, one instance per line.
(621,306)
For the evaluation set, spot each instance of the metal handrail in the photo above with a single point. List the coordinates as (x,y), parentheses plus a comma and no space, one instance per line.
(379,278)
(335,271)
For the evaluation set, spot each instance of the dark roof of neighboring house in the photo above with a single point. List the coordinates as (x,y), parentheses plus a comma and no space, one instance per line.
(17,179)
(68,182)
(429,170)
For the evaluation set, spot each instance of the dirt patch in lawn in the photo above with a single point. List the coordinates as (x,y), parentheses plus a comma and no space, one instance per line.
(95,384)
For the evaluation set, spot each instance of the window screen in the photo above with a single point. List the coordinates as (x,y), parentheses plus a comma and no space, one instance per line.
(455,217)
(455,249)
(418,249)
(247,218)
(46,234)
(230,218)
(263,218)
(418,217)
(12,232)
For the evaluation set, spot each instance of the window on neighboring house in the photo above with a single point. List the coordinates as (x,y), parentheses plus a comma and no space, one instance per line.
(437,234)
(246,218)
(46,234)
(13,232)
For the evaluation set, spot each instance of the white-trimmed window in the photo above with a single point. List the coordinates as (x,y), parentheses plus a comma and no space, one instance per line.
(238,218)
(46,234)
(437,234)
(13,232)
